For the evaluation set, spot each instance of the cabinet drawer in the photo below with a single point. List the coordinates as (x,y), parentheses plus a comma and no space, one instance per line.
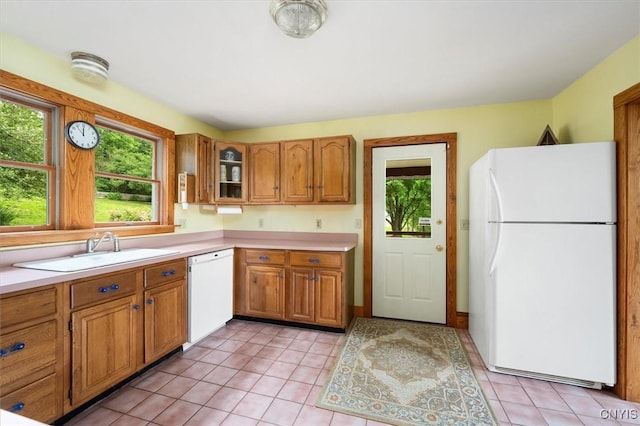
(102,289)
(26,307)
(165,273)
(322,259)
(26,351)
(36,401)
(271,257)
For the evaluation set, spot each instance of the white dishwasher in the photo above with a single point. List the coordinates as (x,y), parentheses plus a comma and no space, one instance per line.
(210,283)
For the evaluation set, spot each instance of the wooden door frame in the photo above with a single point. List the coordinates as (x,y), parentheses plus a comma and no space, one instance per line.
(626,125)
(451,264)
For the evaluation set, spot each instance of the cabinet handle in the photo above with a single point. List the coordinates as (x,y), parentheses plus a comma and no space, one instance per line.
(309,186)
(263,257)
(113,287)
(149,301)
(276,187)
(320,186)
(310,278)
(136,307)
(314,260)
(168,273)
(16,407)
(17,347)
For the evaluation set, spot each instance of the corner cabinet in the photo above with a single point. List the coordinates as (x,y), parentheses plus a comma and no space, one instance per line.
(316,171)
(231,176)
(308,287)
(194,155)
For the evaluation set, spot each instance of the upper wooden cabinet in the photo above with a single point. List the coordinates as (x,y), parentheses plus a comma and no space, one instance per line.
(194,155)
(231,177)
(264,173)
(318,170)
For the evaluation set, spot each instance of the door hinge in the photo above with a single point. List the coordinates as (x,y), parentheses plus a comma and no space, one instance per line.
(70,325)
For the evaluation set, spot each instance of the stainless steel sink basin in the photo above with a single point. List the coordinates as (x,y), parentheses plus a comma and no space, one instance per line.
(93,260)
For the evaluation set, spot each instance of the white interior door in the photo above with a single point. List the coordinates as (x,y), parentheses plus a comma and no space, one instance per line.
(409,232)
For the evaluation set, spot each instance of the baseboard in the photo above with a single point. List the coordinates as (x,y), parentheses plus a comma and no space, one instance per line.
(462,320)
(358,311)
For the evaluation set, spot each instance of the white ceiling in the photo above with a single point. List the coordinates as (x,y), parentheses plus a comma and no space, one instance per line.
(226,63)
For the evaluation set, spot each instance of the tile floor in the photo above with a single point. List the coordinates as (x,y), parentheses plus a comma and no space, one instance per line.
(250,373)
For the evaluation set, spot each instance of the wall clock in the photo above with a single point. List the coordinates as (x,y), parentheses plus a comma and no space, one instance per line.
(82,134)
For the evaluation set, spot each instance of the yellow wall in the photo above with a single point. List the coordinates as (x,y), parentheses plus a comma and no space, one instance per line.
(580,113)
(583,111)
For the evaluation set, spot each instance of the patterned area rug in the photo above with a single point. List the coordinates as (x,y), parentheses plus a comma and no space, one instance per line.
(405,373)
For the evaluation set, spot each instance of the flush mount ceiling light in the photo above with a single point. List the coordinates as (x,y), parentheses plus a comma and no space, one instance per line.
(298,18)
(90,68)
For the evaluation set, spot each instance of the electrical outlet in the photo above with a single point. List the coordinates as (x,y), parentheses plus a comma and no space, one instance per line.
(318,223)
(183,223)
(260,223)
(464,224)
(357,223)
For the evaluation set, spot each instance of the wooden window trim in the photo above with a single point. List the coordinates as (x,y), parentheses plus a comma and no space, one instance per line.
(70,229)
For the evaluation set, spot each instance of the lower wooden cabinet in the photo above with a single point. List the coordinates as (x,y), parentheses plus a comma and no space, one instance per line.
(299,286)
(121,322)
(264,287)
(164,318)
(31,353)
(104,346)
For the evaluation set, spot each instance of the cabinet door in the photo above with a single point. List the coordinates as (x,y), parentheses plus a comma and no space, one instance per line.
(104,343)
(231,176)
(329,298)
(297,171)
(333,169)
(204,170)
(264,173)
(165,317)
(194,155)
(264,296)
(301,295)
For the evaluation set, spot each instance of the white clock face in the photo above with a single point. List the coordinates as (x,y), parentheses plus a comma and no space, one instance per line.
(82,134)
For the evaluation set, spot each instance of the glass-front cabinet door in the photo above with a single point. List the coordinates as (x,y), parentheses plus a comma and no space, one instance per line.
(231,173)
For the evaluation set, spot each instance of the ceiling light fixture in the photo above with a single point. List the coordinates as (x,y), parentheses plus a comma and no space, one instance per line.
(90,68)
(298,18)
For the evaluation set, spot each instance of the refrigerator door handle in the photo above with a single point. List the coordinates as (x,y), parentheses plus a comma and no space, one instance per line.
(496,190)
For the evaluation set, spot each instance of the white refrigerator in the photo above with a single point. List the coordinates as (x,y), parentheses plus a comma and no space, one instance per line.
(542,256)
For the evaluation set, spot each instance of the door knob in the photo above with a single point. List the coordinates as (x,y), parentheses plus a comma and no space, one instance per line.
(439,222)
(439,248)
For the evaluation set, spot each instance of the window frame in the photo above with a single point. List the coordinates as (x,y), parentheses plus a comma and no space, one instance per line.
(71,223)
(156,171)
(48,166)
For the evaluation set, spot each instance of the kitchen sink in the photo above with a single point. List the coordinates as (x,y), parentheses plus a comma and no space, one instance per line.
(83,261)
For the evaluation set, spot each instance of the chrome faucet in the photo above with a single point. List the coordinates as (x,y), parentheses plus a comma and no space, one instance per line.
(92,244)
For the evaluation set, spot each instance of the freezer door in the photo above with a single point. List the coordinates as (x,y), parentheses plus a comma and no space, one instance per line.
(555,300)
(557,183)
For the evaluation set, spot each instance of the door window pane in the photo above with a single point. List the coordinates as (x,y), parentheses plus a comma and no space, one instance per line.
(408,198)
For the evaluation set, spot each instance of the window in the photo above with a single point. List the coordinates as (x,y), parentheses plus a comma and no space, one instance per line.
(53,192)
(126,185)
(27,169)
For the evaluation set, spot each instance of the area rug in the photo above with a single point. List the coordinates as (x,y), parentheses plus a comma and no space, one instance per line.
(405,373)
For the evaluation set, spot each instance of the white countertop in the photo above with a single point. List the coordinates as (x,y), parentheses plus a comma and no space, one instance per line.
(11,419)
(15,279)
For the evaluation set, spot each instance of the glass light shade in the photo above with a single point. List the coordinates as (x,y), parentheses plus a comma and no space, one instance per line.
(298,18)
(89,68)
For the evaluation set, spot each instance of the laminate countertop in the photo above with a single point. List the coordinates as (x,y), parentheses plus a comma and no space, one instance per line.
(184,245)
